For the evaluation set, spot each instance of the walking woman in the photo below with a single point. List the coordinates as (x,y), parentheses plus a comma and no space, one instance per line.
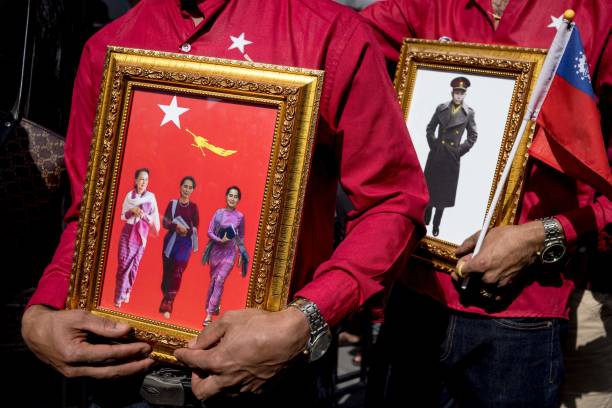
(141,216)
(181,219)
(226,239)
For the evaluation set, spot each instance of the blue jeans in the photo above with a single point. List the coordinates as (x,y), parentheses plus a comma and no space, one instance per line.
(430,356)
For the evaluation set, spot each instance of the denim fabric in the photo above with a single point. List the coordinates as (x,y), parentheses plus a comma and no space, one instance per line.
(429,356)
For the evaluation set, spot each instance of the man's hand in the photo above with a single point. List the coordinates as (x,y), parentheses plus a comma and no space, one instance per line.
(504,253)
(59,338)
(243,350)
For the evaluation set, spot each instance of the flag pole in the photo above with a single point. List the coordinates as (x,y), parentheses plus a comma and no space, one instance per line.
(549,68)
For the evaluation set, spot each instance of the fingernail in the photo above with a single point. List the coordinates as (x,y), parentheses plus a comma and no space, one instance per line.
(191,343)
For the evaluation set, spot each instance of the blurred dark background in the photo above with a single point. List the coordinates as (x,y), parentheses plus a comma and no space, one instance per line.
(59,30)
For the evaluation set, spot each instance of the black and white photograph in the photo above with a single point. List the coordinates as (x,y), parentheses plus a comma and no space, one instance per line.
(457,122)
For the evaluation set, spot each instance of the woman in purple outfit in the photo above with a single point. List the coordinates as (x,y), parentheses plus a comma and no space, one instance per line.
(141,217)
(181,219)
(226,234)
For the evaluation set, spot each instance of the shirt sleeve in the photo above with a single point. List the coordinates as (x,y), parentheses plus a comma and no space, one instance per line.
(380,173)
(52,289)
(391,25)
(167,219)
(211,228)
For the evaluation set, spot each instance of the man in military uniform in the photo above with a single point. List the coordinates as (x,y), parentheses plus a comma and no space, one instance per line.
(451,118)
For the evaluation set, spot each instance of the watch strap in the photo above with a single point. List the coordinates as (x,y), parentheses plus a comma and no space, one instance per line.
(553,235)
(316,322)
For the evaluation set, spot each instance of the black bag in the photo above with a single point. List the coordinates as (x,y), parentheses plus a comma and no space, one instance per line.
(32,194)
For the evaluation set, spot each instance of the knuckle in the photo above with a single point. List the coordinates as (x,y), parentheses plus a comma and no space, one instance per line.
(201,395)
(68,372)
(217,361)
(489,278)
(482,263)
(69,355)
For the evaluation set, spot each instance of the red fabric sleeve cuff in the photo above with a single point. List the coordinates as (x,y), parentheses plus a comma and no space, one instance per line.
(580,227)
(52,291)
(335,293)
(568,230)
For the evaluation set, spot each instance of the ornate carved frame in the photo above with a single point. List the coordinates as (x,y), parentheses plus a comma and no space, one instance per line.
(295,92)
(521,64)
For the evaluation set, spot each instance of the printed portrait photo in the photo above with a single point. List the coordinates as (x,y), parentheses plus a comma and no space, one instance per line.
(456,121)
(188,206)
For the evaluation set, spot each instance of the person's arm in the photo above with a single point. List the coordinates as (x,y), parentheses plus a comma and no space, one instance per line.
(60,337)
(212,226)
(168,219)
(391,24)
(472,134)
(507,250)
(196,216)
(241,228)
(154,216)
(431,129)
(126,211)
(382,177)
(195,220)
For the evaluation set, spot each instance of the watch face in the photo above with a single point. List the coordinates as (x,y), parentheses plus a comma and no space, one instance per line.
(553,253)
(320,346)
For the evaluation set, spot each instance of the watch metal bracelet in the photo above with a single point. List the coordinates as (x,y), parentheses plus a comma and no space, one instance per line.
(318,326)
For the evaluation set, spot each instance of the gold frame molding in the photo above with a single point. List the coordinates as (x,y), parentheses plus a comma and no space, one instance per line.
(296,92)
(521,64)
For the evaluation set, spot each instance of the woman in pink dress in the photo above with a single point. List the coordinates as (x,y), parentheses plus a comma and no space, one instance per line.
(226,240)
(141,217)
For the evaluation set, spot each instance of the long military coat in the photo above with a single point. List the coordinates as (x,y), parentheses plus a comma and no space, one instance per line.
(443,161)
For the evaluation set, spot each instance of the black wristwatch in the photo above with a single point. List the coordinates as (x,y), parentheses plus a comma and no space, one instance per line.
(320,335)
(554,241)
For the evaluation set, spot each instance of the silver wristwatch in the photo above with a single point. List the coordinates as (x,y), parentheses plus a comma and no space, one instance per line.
(554,241)
(320,335)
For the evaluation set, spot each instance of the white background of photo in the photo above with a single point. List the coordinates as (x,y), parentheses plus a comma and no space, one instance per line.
(490,98)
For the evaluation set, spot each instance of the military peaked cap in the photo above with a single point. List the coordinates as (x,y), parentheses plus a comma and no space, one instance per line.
(460,83)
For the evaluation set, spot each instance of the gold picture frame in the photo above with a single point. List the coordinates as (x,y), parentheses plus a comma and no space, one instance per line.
(216,121)
(463,150)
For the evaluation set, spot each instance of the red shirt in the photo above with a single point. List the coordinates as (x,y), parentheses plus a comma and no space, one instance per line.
(361,139)
(582,212)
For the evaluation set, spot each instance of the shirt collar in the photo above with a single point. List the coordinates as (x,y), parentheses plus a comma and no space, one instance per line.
(203,5)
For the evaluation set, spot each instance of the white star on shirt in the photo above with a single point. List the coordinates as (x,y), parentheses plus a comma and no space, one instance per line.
(172,113)
(556,22)
(239,42)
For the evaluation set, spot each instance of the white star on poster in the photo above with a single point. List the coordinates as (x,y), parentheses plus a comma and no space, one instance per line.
(239,42)
(555,22)
(172,113)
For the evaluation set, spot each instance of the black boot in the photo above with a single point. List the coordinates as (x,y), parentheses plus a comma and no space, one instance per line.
(428,214)
(436,220)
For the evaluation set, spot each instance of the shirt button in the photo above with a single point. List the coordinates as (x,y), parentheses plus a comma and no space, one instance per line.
(186,47)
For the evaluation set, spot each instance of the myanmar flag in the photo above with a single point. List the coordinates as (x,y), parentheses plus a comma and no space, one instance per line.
(569,137)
